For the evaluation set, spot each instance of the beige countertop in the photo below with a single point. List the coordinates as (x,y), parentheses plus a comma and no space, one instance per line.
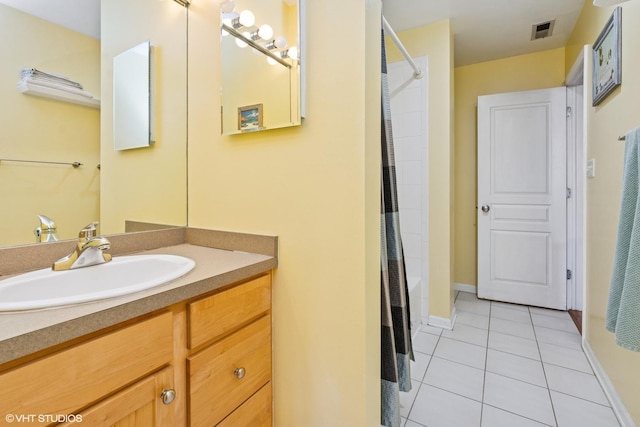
(23,333)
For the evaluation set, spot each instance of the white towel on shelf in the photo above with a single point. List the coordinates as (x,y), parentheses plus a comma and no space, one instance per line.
(53,77)
(52,85)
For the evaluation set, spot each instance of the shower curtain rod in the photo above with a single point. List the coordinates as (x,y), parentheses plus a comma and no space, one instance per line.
(417,72)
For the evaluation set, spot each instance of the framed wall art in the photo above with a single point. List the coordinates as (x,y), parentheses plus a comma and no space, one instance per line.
(607,50)
(250,118)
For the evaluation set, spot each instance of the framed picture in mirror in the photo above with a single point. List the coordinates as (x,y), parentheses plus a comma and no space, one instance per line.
(250,118)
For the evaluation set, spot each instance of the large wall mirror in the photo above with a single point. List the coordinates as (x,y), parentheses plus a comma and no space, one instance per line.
(261,65)
(77,39)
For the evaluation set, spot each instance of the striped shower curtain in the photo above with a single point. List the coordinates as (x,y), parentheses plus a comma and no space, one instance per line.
(396,334)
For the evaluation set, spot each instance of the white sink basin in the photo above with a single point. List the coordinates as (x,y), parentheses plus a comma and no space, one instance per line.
(123,275)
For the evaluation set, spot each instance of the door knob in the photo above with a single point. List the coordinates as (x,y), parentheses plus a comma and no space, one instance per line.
(485,208)
(239,373)
(168,396)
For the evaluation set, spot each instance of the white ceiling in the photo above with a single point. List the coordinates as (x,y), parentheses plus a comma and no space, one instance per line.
(82,16)
(485,30)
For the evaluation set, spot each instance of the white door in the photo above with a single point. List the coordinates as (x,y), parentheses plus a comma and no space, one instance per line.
(522,197)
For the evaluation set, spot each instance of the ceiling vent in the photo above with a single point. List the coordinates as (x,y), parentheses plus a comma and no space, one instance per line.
(542,30)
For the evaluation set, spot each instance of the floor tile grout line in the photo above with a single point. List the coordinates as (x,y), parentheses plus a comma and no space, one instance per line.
(571,369)
(513,335)
(453,392)
(454,361)
(515,354)
(544,372)
(425,374)
(518,415)
(518,379)
(582,398)
(486,362)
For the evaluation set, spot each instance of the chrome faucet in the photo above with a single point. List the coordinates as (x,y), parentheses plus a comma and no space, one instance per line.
(89,251)
(47,230)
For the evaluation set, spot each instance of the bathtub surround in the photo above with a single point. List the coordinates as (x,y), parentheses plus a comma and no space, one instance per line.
(396,349)
(409,112)
(436,42)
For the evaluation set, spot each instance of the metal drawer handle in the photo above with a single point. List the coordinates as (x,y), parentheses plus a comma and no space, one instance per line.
(168,396)
(485,208)
(239,373)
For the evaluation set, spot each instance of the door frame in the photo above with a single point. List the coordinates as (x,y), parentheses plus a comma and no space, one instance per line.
(576,181)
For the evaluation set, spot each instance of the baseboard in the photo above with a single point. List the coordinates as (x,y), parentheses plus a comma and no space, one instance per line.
(463,287)
(624,417)
(443,322)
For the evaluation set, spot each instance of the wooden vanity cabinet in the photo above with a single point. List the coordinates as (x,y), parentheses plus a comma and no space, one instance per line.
(127,375)
(230,338)
(65,382)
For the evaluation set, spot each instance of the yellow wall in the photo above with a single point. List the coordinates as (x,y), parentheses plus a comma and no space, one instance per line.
(36,128)
(146,184)
(436,42)
(315,186)
(526,72)
(617,114)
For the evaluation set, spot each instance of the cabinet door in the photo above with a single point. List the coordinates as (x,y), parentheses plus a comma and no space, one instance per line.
(140,405)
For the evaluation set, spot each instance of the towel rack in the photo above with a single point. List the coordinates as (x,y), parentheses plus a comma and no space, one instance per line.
(622,138)
(74,164)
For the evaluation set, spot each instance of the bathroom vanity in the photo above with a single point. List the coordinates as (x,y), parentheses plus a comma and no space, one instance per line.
(193,352)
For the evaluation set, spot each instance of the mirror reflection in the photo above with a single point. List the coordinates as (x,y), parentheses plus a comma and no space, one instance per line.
(147,188)
(36,128)
(260,65)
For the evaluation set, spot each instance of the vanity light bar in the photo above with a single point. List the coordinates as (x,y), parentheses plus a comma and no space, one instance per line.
(254,45)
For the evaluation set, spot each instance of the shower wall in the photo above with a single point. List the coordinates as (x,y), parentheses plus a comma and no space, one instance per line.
(409,123)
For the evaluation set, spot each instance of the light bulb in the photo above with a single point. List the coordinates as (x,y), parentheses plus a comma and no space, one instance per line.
(265,32)
(227,6)
(241,43)
(279,42)
(246,18)
(292,52)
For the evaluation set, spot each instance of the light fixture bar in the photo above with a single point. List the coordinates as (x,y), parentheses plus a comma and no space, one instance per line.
(255,45)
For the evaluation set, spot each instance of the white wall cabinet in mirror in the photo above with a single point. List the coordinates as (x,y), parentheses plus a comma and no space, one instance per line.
(261,48)
(133,122)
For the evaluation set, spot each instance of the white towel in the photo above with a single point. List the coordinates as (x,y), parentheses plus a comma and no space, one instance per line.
(623,309)
(53,77)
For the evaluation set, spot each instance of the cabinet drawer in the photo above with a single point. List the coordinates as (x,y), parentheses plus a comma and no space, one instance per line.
(214,389)
(74,378)
(255,412)
(220,313)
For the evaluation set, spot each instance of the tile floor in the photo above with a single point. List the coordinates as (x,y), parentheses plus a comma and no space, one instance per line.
(503,365)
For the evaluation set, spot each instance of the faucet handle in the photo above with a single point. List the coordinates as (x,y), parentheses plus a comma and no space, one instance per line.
(88,231)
